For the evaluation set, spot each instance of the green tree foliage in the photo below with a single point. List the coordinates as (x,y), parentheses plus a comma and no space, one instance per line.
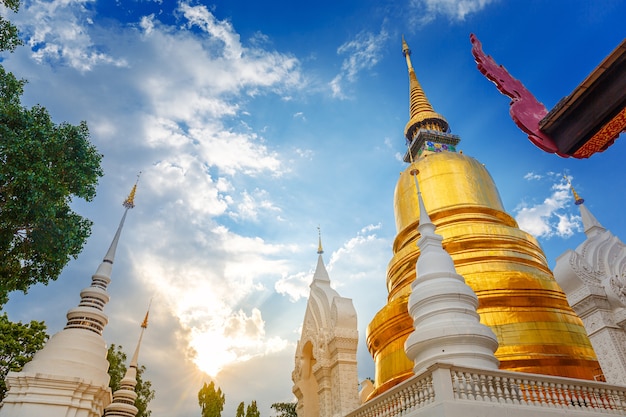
(241,410)
(9,37)
(211,400)
(252,410)
(18,343)
(285,409)
(42,167)
(117,370)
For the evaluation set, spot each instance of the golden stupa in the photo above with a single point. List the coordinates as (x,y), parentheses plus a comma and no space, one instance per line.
(519,299)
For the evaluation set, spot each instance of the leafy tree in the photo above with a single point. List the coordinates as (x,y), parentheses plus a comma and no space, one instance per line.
(241,410)
(285,409)
(18,344)
(117,370)
(9,38)
(252,410)
(211,400)
(43,166)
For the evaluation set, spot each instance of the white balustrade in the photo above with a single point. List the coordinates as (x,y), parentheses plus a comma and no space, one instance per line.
(496,387)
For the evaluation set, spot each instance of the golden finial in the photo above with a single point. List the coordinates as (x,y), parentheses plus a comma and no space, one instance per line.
(319,246)
(577,200)
(144,324)
(129,203)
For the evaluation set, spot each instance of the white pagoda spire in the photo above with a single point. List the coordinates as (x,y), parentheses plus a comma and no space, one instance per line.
(447,327)
(69,376)
(123,404)
(89,314)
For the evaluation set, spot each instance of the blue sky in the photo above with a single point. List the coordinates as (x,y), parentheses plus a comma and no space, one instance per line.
(253,123)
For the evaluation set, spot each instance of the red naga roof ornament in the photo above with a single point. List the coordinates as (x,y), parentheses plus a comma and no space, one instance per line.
(525,109)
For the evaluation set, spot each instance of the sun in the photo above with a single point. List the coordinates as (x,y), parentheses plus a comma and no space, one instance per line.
(212,352)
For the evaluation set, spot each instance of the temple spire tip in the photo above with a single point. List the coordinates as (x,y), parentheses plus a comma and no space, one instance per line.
(320,250)
(422,116)
(129,203)
(577,199)
(144,323)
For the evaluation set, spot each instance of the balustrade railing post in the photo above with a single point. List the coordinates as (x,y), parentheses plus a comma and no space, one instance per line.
(442,382)
(492,391)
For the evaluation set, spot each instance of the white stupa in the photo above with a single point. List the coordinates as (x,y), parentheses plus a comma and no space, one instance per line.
(593,276)
(447,328)
(69,377)
(123,404)
(325,374)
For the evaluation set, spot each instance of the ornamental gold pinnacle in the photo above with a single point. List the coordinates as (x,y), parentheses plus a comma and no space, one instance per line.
(577,200)
(320,250)
(129,203)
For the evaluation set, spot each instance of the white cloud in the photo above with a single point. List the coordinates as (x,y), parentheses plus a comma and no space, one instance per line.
(222,33)
(305,153)
(551,217)
(237,338)
(251,205)
(370,228)
(362,53)
(532,176)
(206,294)
(295,286)
(356,253)
(169,178)
(234,152)
(455,10)
(69,43)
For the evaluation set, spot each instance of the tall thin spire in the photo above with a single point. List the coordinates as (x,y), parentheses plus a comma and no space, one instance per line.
(89,314)
(123,404)
(446,326)
(591,225)
(421,112)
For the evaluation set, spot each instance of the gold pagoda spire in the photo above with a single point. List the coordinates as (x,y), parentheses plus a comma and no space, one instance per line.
(421,112)
(144,326)
(144,323)
(130,200)
(577,200)
(320,250)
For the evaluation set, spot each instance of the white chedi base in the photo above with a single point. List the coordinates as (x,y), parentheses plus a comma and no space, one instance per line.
(68,377)
(37,394)
(447,327)
(73,352)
